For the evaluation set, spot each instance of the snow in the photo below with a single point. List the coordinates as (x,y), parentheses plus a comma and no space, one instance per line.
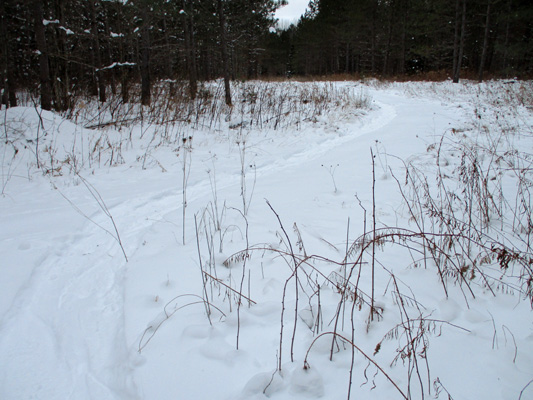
(79,321)
(47,21)
(117,64)
(67,31)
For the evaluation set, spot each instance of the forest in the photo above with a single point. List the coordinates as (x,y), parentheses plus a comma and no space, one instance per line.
(198,201)
(61,49)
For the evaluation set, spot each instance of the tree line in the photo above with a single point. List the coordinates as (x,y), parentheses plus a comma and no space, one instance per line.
(71,47)
(398,37)
(64,48)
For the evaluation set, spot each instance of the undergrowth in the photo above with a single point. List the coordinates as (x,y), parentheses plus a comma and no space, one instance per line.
(467,212)
(102,131)
(466,216)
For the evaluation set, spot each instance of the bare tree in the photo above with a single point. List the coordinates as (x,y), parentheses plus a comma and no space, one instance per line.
(224,51)
(485,43)
(9,97)
(459,42)
(97,53)
(44,68)
(146,85)
(190,47)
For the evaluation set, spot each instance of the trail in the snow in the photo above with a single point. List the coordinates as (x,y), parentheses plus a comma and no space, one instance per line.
(64,335)
(288,175)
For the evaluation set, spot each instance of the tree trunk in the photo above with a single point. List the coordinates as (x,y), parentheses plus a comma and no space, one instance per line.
(485,44)
(168,67)
(457,71)
(146,85)
(373,40)
(62,95)
(456,37)
(224,52)
(11,87)
(389,42)
(347,58)
(124,84)
(97,54)
(9,97)
(4,87)
(44,68)
(110,75)
(403,35)
(506,41)
(190,49)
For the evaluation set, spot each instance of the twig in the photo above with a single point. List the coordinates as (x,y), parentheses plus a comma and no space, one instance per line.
(295,274)
(167,316)
(228,287)
(306,364)
(373,233)
(96,195)
(204,283)
(514,341)
(525,387)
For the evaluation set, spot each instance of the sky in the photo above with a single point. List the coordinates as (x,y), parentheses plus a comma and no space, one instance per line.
(292,11)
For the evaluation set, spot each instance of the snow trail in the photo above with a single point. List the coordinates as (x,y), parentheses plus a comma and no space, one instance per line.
(64,335)
(72,331)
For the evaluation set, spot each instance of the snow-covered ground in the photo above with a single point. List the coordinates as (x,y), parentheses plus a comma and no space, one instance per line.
(207,258)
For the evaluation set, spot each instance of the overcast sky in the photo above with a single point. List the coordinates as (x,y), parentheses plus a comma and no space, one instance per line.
(292,11)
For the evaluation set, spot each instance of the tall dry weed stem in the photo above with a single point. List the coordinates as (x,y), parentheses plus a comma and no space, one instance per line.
(467,204)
